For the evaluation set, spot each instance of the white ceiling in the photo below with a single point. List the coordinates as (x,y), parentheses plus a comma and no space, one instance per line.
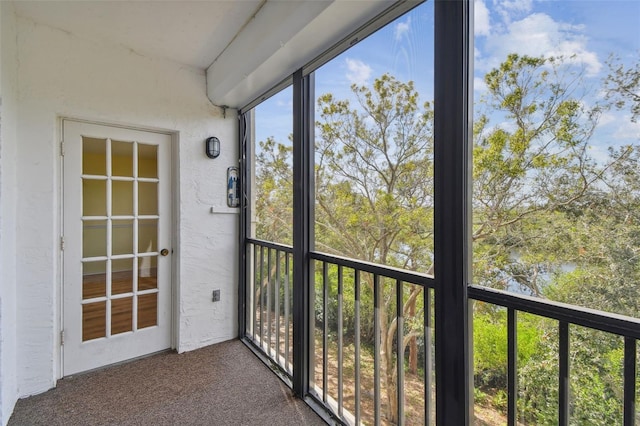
(247,46)
(189,32)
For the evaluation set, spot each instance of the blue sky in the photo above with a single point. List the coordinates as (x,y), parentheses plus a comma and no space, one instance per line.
(587,30)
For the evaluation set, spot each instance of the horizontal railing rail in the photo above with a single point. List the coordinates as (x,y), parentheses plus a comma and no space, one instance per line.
(590,318)
(268,244)
(413,277)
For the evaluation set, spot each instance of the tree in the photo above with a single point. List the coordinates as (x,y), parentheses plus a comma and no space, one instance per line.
(604,242)
(274,192)
(374,168)
(535,163)
(622,86)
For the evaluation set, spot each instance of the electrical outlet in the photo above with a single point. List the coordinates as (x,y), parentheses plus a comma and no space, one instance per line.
(216,296)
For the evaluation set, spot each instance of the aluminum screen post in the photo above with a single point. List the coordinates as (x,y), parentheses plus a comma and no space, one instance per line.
(244,126)
(302,226)
(452,163)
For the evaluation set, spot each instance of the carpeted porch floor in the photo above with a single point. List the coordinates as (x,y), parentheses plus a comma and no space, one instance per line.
(223,384)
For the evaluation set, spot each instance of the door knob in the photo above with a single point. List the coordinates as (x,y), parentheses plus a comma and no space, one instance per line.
(164,252)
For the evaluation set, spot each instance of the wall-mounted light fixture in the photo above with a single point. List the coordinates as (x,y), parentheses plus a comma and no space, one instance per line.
(212,147)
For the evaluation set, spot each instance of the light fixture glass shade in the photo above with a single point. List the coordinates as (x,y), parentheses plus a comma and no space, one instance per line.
(212,147)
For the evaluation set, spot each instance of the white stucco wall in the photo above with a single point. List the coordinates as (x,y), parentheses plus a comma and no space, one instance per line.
(8,387)
(63,75)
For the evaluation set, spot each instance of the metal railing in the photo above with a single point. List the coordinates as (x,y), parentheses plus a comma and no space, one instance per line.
(350,296)
(363,312)
(566,316)
(269,292)
(354,304)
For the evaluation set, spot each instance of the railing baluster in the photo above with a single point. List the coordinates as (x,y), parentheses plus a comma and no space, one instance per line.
(428,356)
(261,287)
(286,312)
(340,354)
(269,302)
(313,344)
(356,309)
(254,291)
(630,371)
(376,355)
(563,383)
(512,365)
(400,350)
(277,305)
(325,338)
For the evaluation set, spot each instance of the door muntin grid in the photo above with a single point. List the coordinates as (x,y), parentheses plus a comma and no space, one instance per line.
(120,219)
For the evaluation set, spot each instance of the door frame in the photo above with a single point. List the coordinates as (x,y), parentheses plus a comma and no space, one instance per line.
(174,222)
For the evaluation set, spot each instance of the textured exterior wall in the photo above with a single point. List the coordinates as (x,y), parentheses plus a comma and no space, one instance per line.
(63,75)
(8,387)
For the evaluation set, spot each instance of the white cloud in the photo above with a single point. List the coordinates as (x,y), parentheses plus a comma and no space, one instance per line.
(540,35)
(516,5)
(402,28)
(481,24)
(508,126)
(607,118)
(615,129)
(479,86)
(599,153)
(358,72)
(628,130)
(509,8)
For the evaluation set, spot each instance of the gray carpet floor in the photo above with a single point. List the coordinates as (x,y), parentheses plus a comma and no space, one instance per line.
(223,384)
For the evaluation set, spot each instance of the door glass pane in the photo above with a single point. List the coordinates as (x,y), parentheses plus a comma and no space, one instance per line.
(147,310)
(94,283)
(122,276)
(122,158)
(121,315)
(94,238)
(122,234)
(122,204)
(94,197)
(147,235)
(147,198)
(94,320)
(147,273)
(147,161)
(94,158)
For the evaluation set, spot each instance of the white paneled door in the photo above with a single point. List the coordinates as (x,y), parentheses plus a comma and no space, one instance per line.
(116,244)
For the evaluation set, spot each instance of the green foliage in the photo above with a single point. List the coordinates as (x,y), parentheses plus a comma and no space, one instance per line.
(538,386)
(595,379)
(274,189)
(490,346)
